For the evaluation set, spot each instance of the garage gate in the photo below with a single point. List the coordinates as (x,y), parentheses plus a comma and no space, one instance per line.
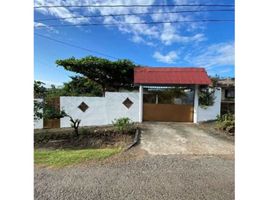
(170,105)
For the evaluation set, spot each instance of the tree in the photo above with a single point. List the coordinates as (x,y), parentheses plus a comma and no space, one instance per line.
(207,93)
(50,112)
(38,106)
(81,86)
(109,74)
(39,89)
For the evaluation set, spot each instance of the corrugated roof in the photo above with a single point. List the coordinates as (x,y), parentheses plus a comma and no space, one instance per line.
(171,76)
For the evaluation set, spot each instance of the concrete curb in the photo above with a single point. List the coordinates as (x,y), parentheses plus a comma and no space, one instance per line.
(136,139)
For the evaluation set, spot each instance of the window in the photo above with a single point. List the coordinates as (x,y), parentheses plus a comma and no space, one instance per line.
(229,93)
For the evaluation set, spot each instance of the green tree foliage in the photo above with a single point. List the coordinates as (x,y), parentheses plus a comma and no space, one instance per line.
(109,74)
(54,91)
(51,112)
(81,86)
(39,89)
(38,106)
(78,86)
(206,96)
(207,93)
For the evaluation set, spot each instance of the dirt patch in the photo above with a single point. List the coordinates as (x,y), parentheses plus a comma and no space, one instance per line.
(89,137)
(211,128)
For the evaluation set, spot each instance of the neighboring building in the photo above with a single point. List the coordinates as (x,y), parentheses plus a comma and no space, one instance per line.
(228,95)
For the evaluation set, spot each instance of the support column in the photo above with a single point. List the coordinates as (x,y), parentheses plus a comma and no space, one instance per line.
(195,103)
(140,103)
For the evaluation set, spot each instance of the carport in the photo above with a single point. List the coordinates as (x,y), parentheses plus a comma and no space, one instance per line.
(157,82)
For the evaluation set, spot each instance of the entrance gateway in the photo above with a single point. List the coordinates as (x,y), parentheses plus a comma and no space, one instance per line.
(169,94)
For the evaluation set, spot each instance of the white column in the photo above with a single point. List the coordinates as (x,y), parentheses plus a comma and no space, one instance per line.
(140,103)
(195,103)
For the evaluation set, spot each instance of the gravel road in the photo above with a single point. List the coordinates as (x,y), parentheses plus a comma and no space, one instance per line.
(141,176)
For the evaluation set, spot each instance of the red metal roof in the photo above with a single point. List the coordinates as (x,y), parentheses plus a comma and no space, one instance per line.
(170,76)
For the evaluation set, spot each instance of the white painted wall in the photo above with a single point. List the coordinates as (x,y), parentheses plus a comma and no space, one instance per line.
(102,110)
(196,88)
(38,124)
(210,113)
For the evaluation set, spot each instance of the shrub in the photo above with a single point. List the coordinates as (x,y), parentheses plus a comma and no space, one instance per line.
(206,97)
(123,124)
(226,123)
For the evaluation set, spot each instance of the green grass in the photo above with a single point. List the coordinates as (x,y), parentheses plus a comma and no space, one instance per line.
(62,158)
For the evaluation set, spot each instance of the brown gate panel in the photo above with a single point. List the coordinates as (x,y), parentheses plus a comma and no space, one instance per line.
(167,112)
(53,123)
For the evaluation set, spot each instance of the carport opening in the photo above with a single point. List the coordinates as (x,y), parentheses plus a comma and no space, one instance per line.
(168,104)
(169,95)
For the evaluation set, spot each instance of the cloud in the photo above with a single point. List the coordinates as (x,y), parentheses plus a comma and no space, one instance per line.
(148,34)
(60,12)
(169,58)
(47,27)
(48,83)
(169,35)
(213,56)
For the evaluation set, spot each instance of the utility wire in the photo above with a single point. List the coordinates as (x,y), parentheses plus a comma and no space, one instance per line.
(127,14)
(133,23)
(75,46)
(137,5)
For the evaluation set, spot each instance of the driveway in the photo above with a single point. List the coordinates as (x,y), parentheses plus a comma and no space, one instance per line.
(164,138)
(174,161)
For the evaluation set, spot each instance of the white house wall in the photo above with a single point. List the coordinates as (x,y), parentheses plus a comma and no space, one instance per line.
(210,112)
(102,110)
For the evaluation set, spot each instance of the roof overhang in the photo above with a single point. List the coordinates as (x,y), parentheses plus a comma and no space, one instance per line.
(167,76)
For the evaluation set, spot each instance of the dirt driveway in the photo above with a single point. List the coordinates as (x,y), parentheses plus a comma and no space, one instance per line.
(163,138)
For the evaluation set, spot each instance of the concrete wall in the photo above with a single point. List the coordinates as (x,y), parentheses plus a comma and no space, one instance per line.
(210,112)
(102,110)
(38,124)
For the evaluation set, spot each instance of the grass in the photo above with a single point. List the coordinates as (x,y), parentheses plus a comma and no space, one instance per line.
(62,158)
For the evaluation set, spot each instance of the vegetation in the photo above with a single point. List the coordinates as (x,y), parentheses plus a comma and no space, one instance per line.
(207,93)
(39,89)
(81,86)
(108,74)
(206,96)
(46,135)
(38,106)
(61,158)
(123,124)
(78,86)
(226,123)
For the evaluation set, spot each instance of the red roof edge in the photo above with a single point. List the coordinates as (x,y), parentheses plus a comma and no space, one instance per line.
(171,76)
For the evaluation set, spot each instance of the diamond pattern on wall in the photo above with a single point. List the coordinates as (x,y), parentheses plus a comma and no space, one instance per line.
(128,103)
(83,106)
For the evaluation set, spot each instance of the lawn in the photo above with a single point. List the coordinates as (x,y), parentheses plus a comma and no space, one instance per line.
(62,158)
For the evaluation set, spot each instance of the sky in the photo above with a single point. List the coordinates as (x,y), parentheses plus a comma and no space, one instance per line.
(183,44)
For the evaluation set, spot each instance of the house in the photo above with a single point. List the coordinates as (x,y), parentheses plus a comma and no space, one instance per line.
(168,94)
(172,108)
(228,95)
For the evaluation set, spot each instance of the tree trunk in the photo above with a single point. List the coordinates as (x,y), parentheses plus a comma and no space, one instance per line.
(103,90)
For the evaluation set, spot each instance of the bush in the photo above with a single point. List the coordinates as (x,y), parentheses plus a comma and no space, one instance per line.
(226,123)
(123,124)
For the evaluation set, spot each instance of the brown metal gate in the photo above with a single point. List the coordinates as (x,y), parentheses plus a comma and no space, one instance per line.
(167,112)
(53,123)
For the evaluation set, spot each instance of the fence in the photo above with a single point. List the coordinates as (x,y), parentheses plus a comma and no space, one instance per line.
(100,110)
(210,112)
(103,110)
